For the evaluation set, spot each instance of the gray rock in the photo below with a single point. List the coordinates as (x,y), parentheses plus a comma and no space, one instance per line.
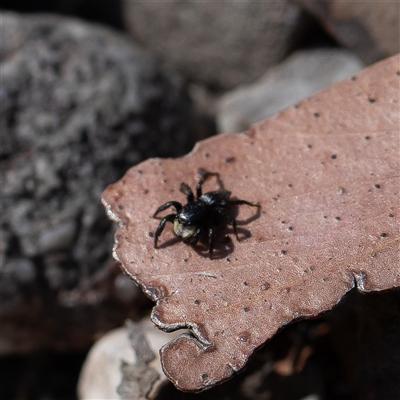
(80,105)
(20,269)
(57,238)
(221,44)
(297,77)
(54,273)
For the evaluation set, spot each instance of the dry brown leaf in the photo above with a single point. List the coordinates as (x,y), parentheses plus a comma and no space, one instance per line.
(326,172)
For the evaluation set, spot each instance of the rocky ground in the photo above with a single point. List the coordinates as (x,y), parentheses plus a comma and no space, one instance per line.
(95,88)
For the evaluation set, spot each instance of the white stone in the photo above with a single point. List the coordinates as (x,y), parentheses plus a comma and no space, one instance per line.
(297,77)
(101,374)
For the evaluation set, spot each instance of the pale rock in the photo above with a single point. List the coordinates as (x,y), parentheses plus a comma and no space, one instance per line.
(297,77)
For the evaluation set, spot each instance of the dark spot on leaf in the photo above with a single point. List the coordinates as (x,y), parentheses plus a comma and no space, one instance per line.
(333,156)
(185,260)
(290,228)
(398,73)
(140,171)
(265,286)
(367,137)
(206,155)
(337,218)
(373,255)
(244,337)
(164,181)
(296,106)
(353,78)
(246,309)
(228,259)
(377,185)
(371,100)
(309,146)
(391,215)
(290,185)
(383,234)
(283,252)
(120,207)
(197,302)
(245,284)
(151,234)
(229,159)
(204,377)
(316,114)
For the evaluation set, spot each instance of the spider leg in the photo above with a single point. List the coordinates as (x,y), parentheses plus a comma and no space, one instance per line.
(175,204)
(170,218)
(242,202)
(196,236)
(211,238)
(229,217)
(189,194)
(204,176)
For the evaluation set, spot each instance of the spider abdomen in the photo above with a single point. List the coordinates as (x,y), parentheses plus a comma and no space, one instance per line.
(219,197)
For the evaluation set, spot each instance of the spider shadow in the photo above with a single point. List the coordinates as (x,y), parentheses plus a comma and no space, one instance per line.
(234,211)
(168,243)
(224,244)
(222,248)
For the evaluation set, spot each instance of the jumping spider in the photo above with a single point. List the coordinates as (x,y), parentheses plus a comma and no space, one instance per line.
(200,214)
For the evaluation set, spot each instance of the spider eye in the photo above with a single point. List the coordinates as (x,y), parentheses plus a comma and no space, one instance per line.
(182,230)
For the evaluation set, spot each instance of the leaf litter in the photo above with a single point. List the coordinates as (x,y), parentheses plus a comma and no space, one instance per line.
(326,173)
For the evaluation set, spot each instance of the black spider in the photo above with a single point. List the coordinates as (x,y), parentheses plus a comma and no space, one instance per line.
(199,215)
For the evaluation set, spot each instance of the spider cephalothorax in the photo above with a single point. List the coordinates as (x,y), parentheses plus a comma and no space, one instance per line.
(201,214)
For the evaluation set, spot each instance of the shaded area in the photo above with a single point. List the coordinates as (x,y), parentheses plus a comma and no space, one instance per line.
(44,375)
(91,10)
(332,358)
